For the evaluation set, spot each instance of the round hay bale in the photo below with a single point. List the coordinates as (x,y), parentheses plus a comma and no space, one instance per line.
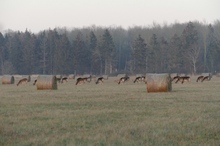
(46,82)
(158,83)
(8,79)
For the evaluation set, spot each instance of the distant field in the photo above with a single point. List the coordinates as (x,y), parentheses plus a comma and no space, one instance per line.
(110,114)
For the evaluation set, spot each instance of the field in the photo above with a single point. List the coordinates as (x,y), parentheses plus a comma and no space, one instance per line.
(110,114)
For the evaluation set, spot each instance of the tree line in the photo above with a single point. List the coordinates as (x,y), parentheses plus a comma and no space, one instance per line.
(192,48)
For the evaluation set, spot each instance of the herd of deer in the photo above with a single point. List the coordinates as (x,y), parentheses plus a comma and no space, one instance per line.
(183,79)
(82,80)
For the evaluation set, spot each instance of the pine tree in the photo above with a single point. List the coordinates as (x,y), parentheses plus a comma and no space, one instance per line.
(62,55)
(108,52)
(139,55)
(191,47)
(212,50)
(163,53)
(80,55)
(43,54)
(153,54)
(28,46)
(2,48)
(14,63)
(175,54)
(92,50)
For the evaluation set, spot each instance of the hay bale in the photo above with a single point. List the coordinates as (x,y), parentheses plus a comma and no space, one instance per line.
(46,82)
(158,83)
(8,79)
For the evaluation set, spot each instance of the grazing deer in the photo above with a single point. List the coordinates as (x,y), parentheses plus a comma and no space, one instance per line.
(22,81)
(200,78)
(175,78)
(123,79)
(100,79)
(206,78)
(183,79)
(63,79)
(35,81)
(82,80)
(139,79)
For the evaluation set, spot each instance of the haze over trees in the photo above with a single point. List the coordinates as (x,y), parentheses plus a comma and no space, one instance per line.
(192,47)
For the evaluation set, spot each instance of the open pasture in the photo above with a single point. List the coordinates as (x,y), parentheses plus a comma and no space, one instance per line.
(110,114)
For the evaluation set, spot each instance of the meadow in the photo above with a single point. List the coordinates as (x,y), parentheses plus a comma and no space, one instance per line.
(110,114)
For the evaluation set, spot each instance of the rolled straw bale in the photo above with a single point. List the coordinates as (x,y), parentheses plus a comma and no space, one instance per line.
(46,82)
(158,83)
(8,79)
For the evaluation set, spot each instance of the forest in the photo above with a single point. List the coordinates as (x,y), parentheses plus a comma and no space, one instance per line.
(190,48)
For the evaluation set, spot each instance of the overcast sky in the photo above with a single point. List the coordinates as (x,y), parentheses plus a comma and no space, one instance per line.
(37,15)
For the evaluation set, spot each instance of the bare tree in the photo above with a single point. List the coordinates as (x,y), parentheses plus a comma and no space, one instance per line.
(193,55)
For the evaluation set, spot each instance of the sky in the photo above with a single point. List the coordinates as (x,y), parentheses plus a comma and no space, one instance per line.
(38,15)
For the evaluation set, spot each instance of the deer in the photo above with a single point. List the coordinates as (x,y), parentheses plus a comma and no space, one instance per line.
(200,78)
(206,78)
(183,79)
(123,79)
(100,79)
(82,80)
(35,81)
(22,81)
(140,78)
(175,78)
(63,79)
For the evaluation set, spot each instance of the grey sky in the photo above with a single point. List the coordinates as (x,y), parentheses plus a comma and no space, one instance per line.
(36,15)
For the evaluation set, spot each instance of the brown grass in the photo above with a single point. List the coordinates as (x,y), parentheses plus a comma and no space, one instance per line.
(110,114)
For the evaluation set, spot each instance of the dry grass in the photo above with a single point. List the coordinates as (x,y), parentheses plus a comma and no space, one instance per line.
(110,114)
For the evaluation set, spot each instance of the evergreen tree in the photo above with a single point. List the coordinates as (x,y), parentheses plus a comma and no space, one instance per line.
(2,48)
(43,53)
(62,55)
(175,55)
(28,46)
(191,47)
(13,44)
(53,40)
(213,50)
(92,50)
(163,53)
(108,52)
(139,55)
(97,58)
(80,55)
(153,55)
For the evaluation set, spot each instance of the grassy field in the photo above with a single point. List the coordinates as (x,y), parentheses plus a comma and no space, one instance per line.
(110,114)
